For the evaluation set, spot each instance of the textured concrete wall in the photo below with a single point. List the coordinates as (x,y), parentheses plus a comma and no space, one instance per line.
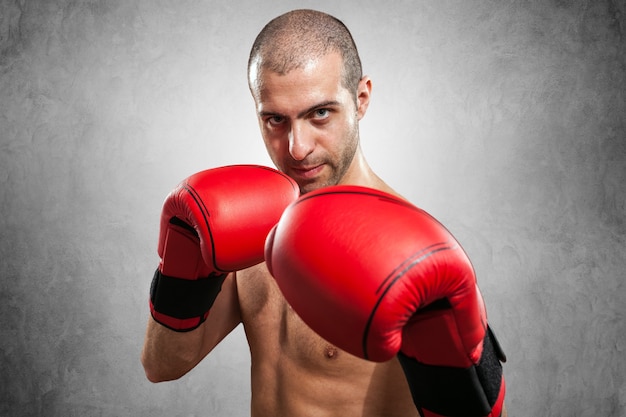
(504,119)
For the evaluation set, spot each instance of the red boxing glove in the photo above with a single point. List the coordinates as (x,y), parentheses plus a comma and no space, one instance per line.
(379,277)
(212,223)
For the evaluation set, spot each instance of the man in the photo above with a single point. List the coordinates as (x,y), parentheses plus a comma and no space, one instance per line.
(305,77)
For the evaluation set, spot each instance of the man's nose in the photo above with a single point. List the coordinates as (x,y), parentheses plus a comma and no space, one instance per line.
(301,142)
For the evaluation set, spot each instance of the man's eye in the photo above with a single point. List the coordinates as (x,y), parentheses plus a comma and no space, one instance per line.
(275,120)
(322,113)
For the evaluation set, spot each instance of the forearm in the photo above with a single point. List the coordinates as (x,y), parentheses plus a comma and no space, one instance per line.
(169,355)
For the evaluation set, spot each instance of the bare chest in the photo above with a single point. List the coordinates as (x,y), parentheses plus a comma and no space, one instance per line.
(296,372)
(272,325)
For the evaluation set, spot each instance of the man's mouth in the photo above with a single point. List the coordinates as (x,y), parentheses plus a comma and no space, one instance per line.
(307,172)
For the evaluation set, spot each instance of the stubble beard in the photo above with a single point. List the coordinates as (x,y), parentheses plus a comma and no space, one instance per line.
(338,168)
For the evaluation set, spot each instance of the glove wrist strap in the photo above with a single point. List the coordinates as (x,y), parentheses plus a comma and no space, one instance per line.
(183,304)
(449,391)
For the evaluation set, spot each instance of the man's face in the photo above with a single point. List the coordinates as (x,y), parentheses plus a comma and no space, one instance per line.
(309,121)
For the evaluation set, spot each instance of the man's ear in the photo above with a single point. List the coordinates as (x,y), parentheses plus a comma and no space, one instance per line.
(363,94)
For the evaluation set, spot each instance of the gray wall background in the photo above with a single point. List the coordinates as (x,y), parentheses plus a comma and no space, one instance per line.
(504,119)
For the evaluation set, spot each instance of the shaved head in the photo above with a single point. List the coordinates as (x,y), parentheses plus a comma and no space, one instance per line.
(294,39)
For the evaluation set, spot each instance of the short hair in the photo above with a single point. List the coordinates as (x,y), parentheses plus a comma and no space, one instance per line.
(289,41)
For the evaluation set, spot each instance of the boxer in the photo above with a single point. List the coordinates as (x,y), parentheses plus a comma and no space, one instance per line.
(305,76)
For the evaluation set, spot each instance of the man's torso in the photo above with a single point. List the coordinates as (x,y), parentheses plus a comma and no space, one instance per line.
(297,373)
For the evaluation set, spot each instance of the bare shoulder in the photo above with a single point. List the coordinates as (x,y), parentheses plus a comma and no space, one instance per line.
(372,180)
(262,308)
(256,291)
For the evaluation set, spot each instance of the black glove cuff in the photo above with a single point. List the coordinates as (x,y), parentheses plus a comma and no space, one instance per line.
(184,298)
(450,391)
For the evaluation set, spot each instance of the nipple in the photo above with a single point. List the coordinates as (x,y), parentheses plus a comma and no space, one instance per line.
(331,352)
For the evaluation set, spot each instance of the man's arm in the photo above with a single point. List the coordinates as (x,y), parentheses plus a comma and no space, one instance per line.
(392,281)
(168,355)
(212,224)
